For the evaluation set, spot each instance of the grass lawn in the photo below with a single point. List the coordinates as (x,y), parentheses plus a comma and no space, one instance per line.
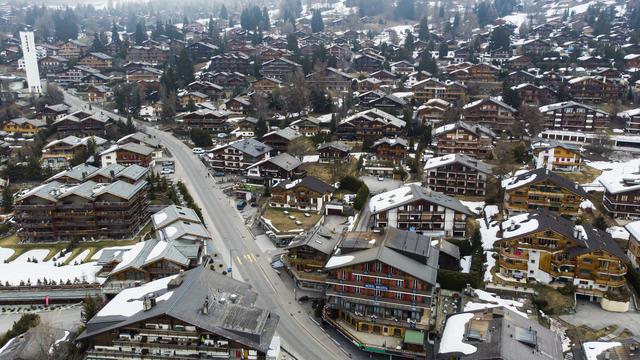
(587,175)
(556,302)
(283,223)
(330,173)
(585,333)
(13,242)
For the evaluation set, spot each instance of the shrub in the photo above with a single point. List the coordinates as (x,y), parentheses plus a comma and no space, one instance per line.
(361,197)
(351,183)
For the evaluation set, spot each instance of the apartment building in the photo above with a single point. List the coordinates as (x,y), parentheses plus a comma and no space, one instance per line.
(275,169)
(573,116)
(633,251)
(127,154)
(547,248)
(57,153)
(307,193)
(383,283)
(457,174)
(632,120)
(621,198)
(56,211)
(331,79)
(489,112)
(392,150)
(370,123)
(96,60)
(334,152)
(433,111)
(238,155)
(211,120)
(81,124)
(280,69)
(192,314)
(433,88)
(463,138)
(541,188)
(153,55)
(279,140)
(23,126)
(496,332)
(415,208)
(596,89)
(230,62)
(534,95)
(307,255)
(556,156)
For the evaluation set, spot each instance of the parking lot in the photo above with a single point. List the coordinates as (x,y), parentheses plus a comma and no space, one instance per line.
(376,186)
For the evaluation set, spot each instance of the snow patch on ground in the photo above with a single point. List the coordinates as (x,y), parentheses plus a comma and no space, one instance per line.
(465,263)
(492,300)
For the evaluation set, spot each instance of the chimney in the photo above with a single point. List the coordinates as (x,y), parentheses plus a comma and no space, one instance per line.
(205,306)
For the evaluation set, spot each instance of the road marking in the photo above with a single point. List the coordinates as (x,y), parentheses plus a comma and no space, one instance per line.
(253,257)
(238,260)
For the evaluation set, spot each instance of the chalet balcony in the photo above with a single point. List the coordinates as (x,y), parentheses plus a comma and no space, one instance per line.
(346,283)
(377,301)
(513,265)
(171,344)
(389,321)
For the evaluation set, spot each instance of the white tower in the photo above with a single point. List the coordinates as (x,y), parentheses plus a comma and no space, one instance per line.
(31,61)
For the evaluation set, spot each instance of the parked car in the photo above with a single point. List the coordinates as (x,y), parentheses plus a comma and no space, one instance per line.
(380,178)
(241,204)
(218,174)
(166,171)
(197,150)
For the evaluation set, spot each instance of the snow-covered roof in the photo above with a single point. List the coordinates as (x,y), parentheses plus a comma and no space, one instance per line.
(594,348)
(463,159)
(616,185)
(453,335)
(413,192)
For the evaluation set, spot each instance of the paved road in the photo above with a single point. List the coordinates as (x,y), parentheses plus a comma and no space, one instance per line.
(301,336)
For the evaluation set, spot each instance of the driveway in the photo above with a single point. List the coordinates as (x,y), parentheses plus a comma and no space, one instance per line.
(591,315)
(377,187)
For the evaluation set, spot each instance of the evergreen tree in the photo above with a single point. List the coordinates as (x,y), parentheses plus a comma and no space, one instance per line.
(140,35)
(443,49)
(224,14)
(115,36)
(265,19)
(428,63)
(184,69)
(408,42)
(210,28)
(316,21)
(292,43)
(261,127)
(7,199)
(499,39)
(423,34)
(97,44)
(510,96)
(90,307)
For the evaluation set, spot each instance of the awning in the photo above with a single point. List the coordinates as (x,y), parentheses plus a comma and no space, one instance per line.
(414,337)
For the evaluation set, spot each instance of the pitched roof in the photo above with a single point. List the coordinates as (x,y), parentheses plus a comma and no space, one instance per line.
(463,159)
(319,238)
(409,252)
(230,303)
(474,129)
(542,174)
(410,193)
(308,182)
(335,144)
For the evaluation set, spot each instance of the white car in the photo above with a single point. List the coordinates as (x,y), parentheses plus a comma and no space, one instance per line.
(380,178)
(167,171)
(197,150)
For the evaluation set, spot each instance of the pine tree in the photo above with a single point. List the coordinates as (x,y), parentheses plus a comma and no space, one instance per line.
(423,34)
(140,35)
(316,21)
(223,12)
(408,42)
(97,44)
(265,19)
(115,36)
(7,199)
(184,69)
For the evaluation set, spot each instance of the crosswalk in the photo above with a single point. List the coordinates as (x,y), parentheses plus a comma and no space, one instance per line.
(246,258)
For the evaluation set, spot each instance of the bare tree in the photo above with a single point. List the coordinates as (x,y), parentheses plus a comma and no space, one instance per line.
(301,146)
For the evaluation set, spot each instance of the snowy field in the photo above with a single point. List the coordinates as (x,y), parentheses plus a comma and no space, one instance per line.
(25,269)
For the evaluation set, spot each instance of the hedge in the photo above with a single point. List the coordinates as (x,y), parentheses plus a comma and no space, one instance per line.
(351,183)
